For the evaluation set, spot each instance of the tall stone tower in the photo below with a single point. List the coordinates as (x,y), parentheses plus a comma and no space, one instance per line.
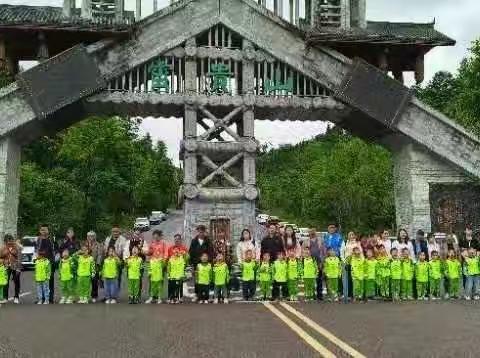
(342,14)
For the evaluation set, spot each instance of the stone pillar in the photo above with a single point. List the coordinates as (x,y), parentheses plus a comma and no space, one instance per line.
(42,53)
(10,152)
(358,10)
(68,7)
(138,12)
(119,9)
(86,10)
(420,68)
(345,14)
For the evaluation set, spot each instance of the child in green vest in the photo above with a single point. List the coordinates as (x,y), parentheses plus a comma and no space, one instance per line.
(279,274)
(395,274)
(134,265)
(156,267)
(110,272)
(453,274)
(333,269)
(370,275)
(42,278)
(435,271)
(67,281)
(176,274)
(422,276)
(292,276)
(3,280)
(471,271)
(383,273)
(248,267)
(85,272)
(204,278)
(221,277)
(408,271)
(265,277)
(309,273)
(357,269)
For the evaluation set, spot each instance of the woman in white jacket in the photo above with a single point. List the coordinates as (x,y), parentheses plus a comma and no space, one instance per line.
(246,243)
(403,242)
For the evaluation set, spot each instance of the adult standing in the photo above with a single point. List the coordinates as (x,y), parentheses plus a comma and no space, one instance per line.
(199,245)
(420,244)
(245,244)
(158,247)
(345,252)
(317,250)
(290,242)
(177,246)
(118,242)
(333,239)
(468,241)
(222,245)
(403,242)
(383,240)
(69,243)
(272,243)
(96,251)
(50,248)
(12,255)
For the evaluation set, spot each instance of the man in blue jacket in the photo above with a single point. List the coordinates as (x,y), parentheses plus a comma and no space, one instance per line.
(333,239)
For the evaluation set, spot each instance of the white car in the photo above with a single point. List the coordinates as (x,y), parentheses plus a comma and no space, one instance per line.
(157,217)
(263,218)
(304,233)
(142,224)
(29,254)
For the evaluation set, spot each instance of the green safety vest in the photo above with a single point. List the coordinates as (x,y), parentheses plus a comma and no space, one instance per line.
(86,267)
(383,267)
(471,266)
(155,269)
(435,269)
(66,269)
(292,267)
(221,275)
(332,267)
(453,269)
(110,267)
(421,271)
(42,270)
(134,267)
(396,269)
(310,268)
(265,272)
(3,275)
(408,269)
(280,271)
(204,273)
(370,269)
(248,270)
(176,268)
(357,266)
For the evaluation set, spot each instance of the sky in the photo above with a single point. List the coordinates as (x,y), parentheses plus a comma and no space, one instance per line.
(457,19)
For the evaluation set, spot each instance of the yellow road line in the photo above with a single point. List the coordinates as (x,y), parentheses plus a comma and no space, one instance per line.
(312,342)
(327,334)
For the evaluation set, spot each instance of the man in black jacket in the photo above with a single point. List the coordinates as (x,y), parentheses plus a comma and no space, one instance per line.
(50,248)
(272,243)
(199,245)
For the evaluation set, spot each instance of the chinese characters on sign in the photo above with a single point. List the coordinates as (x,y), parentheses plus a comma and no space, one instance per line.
(276,87)
(160,72)
(219,79)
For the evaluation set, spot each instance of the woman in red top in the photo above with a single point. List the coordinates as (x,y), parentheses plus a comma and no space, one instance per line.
(158,247)
(177,246)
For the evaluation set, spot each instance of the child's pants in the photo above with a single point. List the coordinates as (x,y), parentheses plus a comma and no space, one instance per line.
(332,287)
(175,289)
(454,287)
(111,288)
(406,289)
(43,291)
(369,288)
(292,287)
(395,289)
(279,287)
(134,288)
(67,288)
(421,289)
(203,292)
(265,289)
(309,287)
(248,288)
(357,289)
(435,287)
(384,287)
(155,288)
(471,285)
(2,287)
(220,292)
(84,285)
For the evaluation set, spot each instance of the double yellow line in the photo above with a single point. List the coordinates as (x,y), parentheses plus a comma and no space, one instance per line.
(311,341)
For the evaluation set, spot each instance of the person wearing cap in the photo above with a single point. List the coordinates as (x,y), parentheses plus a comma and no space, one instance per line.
(97,252)
(333,239)
(12,256)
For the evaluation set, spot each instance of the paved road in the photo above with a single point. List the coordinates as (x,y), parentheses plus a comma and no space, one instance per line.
(173,225)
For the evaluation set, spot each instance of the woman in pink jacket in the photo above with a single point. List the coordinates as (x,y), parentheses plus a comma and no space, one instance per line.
(290,242)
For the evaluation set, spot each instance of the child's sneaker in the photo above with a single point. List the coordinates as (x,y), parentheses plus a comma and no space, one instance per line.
(69,301)
(159,301)
(3,301)
(107,302)
(16,301)
(476,297)
(39,303)
(215,301)
(62,300)
(225,301)
(467,298)
(94,300)
(113,301)
(425,298)
(46,302)
(150,300)
(447,296)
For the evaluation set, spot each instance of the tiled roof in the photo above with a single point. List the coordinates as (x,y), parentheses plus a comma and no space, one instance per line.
(18,15)
(382,32)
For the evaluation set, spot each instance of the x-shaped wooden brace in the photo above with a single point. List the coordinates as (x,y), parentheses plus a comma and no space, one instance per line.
(220,170)
(220,125)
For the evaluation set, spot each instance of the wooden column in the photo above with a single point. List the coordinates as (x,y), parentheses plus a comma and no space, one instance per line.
(86,11)
(248,85)
(345,14)
(398,74)
(68,6)
(383,60)
(119,10)
(42,53)
(419,68)
(138,12)
(155,5)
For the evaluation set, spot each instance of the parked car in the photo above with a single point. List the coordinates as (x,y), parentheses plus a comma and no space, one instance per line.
(303,233)
(263,218)
(29,254)
(142,224)
(157,217)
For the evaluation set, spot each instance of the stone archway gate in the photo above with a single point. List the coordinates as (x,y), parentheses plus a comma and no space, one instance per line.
(270,74)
